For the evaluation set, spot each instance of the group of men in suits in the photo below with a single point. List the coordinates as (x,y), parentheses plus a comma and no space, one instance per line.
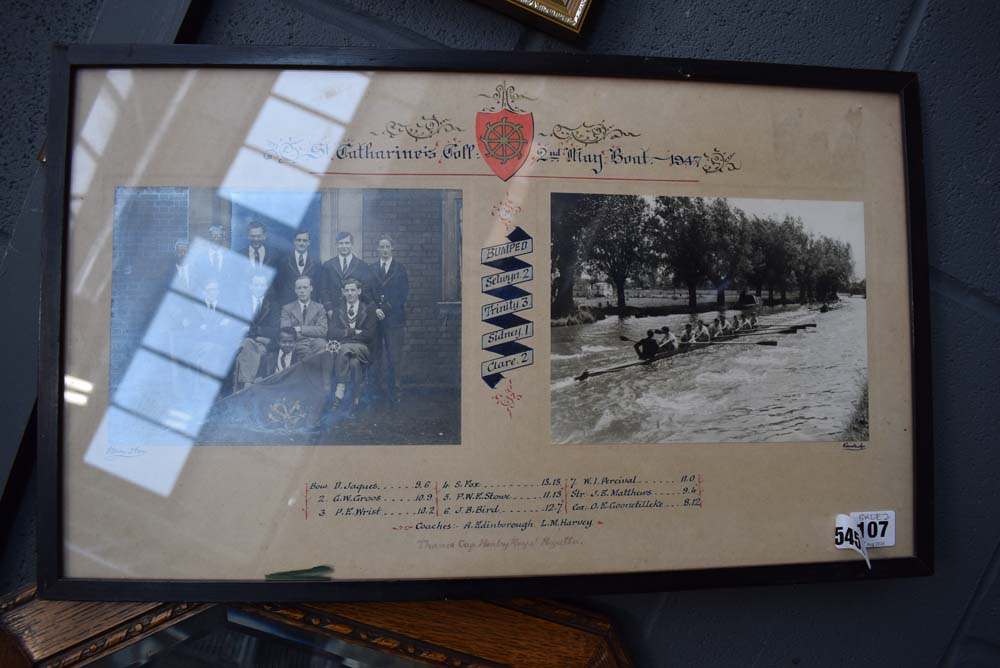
(353,310)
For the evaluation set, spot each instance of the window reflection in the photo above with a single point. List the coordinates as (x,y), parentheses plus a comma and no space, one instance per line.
(201,277)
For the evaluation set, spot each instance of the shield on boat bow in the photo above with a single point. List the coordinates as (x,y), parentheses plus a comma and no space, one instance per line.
(504,140)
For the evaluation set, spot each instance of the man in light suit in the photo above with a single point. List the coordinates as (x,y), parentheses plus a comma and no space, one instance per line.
(337,270)
(390,291)
(353,328)
(307,318)
(300,262)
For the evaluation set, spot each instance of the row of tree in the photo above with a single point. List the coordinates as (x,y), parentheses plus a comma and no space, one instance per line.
(689,242)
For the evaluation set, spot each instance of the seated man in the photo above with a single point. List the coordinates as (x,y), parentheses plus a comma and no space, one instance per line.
(647,348)
(669,341)
(353,329)
(702,335)
(261,335)
(307,318)
(687,336)
(715,329)
(281,359)
(209,329)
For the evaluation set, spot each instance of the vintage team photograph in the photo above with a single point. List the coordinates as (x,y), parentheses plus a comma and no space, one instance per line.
(327,317)
(707,319)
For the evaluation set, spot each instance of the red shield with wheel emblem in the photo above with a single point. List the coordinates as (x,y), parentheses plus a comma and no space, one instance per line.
(504,140)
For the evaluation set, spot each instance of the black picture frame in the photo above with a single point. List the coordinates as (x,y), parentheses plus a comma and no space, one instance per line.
(66,60)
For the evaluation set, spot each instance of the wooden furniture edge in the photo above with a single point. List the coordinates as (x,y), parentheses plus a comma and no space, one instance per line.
(36,633)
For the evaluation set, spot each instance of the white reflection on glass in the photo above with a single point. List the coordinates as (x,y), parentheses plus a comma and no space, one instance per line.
(121,82)
(298,128)
(174,378)
(332,94)
(82,171)
(153,467)
(181,365)
(75,398)
(156,138)
(154,387)
(93,556)
(232,278)
(100,121)
(193,334)
(279,120)
(97,128)
(80,287)
(250,168)
(78,384)
(275,205)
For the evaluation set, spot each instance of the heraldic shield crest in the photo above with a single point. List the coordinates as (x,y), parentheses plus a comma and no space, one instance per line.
(504,137)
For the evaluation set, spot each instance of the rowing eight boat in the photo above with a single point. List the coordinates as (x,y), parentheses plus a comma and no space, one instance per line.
(688,347)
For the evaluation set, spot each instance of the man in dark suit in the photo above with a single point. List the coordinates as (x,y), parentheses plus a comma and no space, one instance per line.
(207,331)
(390,290)
(181,278)
(338,269)
(307,318)
(258,253)
(300,262)
(262,334)
(213,264)
(353,330)
(280,359)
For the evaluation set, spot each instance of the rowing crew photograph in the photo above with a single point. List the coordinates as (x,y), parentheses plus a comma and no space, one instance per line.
(707,320)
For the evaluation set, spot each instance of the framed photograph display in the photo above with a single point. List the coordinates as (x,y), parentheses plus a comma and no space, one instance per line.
(327,325)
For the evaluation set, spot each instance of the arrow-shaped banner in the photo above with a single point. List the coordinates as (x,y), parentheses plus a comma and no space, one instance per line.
(502,286)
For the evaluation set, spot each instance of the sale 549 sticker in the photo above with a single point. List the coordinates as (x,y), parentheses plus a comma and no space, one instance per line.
(865,530)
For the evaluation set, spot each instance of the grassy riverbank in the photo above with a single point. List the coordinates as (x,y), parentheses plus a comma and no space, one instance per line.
(857,428)
(584,315)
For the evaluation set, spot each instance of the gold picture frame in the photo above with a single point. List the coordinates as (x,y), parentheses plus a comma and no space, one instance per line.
(563,18)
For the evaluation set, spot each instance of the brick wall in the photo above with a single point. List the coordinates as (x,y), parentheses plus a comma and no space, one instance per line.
(147,223)
(414,220)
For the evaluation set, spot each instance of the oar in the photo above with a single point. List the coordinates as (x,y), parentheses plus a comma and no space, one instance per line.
(717,343)
(776,329)
(765,330)
(760,327)
(731,343)
(587,373)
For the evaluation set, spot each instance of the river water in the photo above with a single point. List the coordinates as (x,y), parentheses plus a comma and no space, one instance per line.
(804,389)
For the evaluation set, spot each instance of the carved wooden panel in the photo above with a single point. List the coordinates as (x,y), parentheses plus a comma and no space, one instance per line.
(520,633)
